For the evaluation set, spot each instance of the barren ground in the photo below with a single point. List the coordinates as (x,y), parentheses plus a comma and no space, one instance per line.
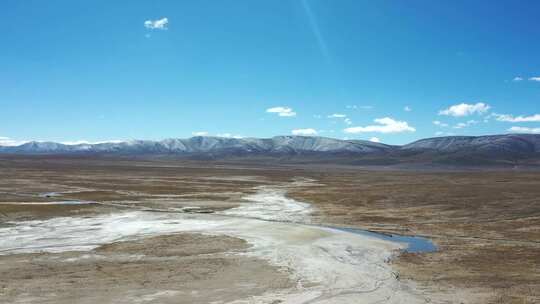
(486,224)
(193,268)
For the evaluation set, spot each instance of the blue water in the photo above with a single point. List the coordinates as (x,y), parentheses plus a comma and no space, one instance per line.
(415,244)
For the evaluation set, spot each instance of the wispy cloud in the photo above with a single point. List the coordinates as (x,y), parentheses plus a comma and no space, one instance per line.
(462,125)
(511,118)
(306,132)
(534,79)
(517,78)
(6,141)
(440,123)
(355,107)
(375,139)
(89,142)
(226,135)
(464,109)
(282,111)
(407,109)
(441,133)
(524,130)
(384,125)
(346,120)
(160,24)
(229,135)
(337,115)
(315,28)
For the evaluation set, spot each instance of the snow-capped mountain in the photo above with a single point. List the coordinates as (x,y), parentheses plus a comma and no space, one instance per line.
(506,149)
(209,144)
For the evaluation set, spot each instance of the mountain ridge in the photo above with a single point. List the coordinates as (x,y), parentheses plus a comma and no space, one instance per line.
(505,148)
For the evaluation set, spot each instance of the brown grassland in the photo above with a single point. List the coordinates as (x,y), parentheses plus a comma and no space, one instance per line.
(486,224)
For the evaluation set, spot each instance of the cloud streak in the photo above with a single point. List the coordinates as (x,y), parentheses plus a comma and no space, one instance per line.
(229,135)
(464,109)
(305,132)
(511,118)
(337,115)
(160,24)
(524,130)
(440,124)
(315,29)
(282,111)
(6,141)
(384,125)
(462,125)
(87,142)
(355,107)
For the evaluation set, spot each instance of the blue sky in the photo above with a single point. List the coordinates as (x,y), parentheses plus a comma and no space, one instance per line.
(395,71)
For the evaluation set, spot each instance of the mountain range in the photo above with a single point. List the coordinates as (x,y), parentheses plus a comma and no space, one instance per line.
(508,149)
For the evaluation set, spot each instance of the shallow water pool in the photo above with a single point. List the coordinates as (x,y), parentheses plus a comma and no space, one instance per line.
(415,244)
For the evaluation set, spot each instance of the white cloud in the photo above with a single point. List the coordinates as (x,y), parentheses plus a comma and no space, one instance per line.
(306,132)
(160,24)
(464,109)
(440,123)
(462,125)
(346,120)
(199,133)
(375,139)
(440,133)
(524,130)
(229,135)
(282,111)
(87,142)
(407,109)
(511,118)
(6,141)
(385,125)
(356,107)
(517,78)
(534,79)
(337,115)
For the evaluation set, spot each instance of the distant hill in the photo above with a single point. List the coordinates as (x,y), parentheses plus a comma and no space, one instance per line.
(471,150)
(512,149)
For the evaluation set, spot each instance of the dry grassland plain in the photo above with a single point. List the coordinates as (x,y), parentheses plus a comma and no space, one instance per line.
(486,224)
